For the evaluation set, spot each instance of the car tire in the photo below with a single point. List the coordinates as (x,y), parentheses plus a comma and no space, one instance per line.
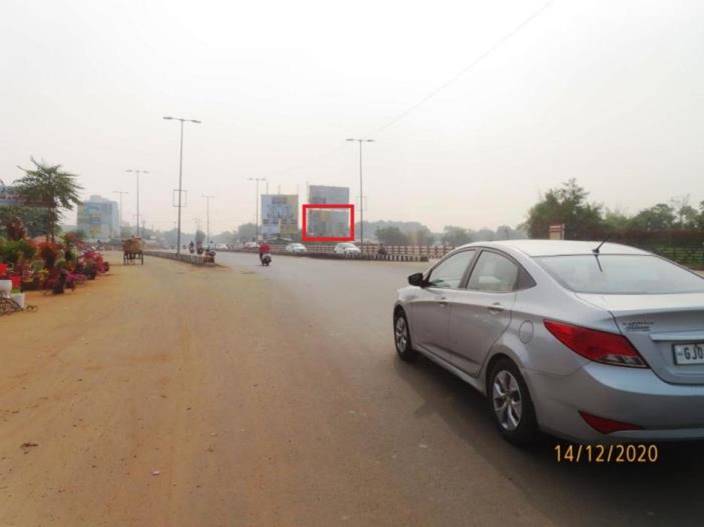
(510,403)
(402,338)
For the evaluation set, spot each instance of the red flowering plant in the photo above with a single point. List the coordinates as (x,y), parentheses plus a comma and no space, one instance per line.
(93,259)
(49,252)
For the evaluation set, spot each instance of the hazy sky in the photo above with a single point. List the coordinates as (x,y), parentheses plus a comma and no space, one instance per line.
(609,92)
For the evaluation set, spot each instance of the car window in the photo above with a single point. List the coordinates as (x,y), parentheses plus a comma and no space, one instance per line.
(448,274)
(493,273)
(621,274)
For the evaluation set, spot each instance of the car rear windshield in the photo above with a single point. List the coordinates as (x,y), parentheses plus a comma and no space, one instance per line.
(621,274)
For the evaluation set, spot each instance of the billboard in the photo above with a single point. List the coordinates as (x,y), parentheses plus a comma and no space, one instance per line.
(325,221)
(279,215)
(324,194)
(332,223)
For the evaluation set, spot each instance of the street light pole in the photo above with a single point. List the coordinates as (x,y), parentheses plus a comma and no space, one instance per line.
(119,227)
(207,215)
(361,191)
(137,172)
(256,202)
(180,176)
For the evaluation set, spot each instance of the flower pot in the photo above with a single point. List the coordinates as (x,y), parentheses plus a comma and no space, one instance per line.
(5,288)
(19,298)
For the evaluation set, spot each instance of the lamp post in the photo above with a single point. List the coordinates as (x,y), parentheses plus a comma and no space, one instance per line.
(256,202)
(180,176)
(207,215)
(119,227)
(137,172)
(361,192)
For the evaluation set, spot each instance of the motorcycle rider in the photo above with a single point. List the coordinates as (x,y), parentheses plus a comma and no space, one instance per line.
(264,248)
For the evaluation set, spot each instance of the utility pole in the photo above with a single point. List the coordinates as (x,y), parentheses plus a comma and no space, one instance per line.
(256,201)
(137,172)
(207,215)
(361,191)
(180,177)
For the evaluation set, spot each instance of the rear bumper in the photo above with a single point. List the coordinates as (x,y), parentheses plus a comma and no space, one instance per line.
(666,412)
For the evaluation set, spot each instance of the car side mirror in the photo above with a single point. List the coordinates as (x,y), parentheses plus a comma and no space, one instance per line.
(416,279)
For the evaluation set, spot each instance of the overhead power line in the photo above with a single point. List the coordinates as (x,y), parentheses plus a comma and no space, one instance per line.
(496,45)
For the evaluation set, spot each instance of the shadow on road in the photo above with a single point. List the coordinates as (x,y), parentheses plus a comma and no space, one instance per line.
(571,494)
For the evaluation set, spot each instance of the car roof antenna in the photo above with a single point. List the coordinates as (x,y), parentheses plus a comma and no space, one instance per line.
(596,250)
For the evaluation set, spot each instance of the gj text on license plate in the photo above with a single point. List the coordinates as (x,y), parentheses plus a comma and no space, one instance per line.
(689,353)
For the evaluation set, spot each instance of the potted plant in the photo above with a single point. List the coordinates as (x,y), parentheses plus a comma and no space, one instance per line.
(5,282)
(5,287)
(18,297)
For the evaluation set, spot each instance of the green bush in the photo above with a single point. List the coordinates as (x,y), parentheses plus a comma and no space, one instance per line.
(12,251)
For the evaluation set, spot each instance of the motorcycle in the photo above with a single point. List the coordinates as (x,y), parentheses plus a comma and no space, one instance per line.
(266,259)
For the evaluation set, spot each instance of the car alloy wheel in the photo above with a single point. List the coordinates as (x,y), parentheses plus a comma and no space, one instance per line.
(402,338)
(511,403)
(507,400)
(401,334)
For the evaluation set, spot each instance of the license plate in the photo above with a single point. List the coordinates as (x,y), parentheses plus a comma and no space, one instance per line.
(689,353)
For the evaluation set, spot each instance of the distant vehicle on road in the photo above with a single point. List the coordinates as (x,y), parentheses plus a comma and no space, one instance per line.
(296,248)
(251,245)
(589,341)
(220,246)
(347,249)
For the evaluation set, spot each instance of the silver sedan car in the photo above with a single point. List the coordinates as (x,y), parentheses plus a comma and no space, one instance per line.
(587,341)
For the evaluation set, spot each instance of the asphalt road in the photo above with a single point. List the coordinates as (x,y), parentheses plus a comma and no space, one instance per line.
(459,463)
(171,395)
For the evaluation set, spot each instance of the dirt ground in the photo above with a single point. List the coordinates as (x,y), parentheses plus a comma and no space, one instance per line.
(113,385)
(170,395)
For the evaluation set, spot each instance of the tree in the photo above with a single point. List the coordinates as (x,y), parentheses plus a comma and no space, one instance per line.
(567,204)
(484,235)
(33,219)
(455,236)
(391,236)
(656,218)
(616,221)
(421,236)
(686,215)
(49,187)
(700,216)
(246,232)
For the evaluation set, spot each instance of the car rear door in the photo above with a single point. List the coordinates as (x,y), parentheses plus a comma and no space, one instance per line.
(429,310)
(481,312)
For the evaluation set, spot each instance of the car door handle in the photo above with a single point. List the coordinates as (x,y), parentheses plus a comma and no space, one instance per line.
(495,308)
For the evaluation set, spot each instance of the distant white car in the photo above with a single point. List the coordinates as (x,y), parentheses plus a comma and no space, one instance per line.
(296,248)
(220,246)
(251,245)
(347,249)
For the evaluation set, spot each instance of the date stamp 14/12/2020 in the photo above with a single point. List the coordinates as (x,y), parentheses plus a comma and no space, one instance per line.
(607,453)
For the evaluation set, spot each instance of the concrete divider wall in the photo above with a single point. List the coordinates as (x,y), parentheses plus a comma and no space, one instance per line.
(332,256)
(194,259)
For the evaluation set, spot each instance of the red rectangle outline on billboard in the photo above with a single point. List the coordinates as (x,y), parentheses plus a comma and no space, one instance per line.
(304,234)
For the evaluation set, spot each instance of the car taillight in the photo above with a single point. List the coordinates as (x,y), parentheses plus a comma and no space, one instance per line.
(599,346)
(606,426)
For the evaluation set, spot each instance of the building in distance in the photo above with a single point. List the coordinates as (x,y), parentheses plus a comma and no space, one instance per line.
(98,218)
